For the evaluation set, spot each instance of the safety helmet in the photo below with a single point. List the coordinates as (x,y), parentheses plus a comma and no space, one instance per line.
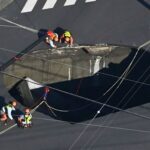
(27,110)
(14,103)
(67,34)
(67,39)
(49,33)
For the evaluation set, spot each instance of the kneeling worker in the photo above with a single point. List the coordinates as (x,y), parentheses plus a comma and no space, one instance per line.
(51,38)
(6,112)
(25,119)
(66,38)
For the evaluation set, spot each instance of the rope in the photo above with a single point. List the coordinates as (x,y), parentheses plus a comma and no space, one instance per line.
(91,121)
(78,109)
(104,104)
(94,125)
(11,127)
(50,108)
(66,111)
(19,25)
(83,131)
(33,110)
(96,132)
(99,111)
(60,110)
(78,67)
(126,72)
(8,26)
(103,130)
(81,97)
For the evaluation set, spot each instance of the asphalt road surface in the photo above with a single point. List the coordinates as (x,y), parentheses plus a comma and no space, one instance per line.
(117,21)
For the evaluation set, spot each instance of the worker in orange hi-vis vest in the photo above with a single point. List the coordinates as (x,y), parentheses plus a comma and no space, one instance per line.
(51,38)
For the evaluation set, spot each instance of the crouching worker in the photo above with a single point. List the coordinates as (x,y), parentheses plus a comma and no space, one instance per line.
(6,112)
(66,38)
(51,38)
(25,119)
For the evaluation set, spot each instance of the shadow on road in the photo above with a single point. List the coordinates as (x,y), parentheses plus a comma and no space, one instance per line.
(144,3)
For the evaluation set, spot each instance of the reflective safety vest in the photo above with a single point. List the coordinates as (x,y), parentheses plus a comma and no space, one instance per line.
(27,118)
(8,106)
(8,109)
(67,34)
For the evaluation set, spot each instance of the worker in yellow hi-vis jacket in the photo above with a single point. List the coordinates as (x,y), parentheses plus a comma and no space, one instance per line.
(25,120)
(6,111)
(66,38)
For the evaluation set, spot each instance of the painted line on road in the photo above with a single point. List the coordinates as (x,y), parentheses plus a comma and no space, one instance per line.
(29,6)
(8,26)
(19,25)
(88,1)
(5,130)
(70,2)
(49,4)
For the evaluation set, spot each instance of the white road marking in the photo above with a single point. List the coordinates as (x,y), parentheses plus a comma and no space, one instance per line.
(49,4)
(19,25)
(5,130)
(29,6)
(88,1)
(8,26)
(70,2)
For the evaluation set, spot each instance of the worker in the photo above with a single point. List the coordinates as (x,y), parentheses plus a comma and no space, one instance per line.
(66,38)
(51,38)
(25,119)
(6,112)
(46,91)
